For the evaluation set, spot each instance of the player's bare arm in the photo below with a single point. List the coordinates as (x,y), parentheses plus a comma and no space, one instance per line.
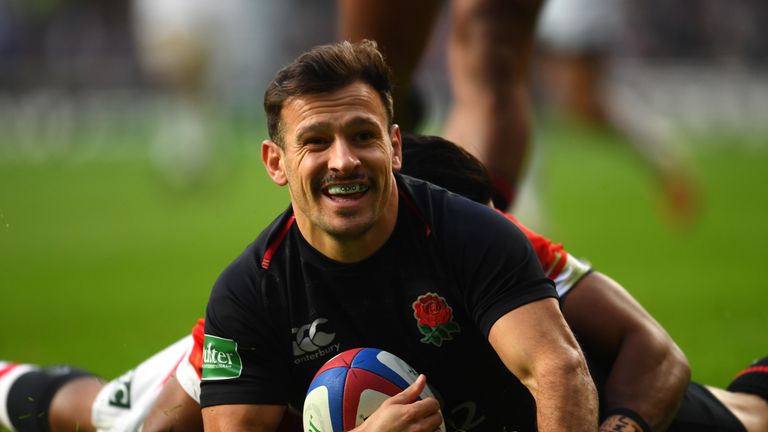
(243,417)
(535,344)
(174,409)
(650,373)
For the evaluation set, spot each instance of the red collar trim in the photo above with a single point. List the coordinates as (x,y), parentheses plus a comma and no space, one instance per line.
(278,240)
(272,248)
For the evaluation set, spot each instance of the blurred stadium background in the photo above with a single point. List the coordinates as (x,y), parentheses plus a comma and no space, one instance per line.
(130,172)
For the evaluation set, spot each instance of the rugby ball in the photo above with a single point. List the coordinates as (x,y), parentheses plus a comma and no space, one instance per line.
(351,385)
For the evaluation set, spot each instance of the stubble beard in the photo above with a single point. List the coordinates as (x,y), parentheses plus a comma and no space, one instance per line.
(342,225)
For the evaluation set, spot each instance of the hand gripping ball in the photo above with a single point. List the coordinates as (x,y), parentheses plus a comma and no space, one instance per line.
(351,385)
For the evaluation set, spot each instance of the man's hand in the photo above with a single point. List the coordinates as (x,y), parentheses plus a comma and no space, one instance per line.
(404,412)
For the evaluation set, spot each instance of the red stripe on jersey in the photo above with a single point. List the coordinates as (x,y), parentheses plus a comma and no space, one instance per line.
(753,369)
(7,369)
(272,248)
(172,371)
(196,356)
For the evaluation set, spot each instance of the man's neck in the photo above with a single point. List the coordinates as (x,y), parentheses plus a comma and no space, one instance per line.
(351,250)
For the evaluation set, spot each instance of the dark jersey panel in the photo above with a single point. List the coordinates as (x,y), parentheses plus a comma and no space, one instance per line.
(492,260)
(701,411)
(429,296)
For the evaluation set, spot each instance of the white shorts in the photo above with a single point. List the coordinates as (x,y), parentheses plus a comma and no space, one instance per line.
(578,26)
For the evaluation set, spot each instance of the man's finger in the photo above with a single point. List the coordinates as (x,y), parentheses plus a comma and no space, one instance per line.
(411,393)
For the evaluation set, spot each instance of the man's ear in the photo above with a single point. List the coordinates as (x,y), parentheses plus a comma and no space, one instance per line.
(272,158)
(397,148)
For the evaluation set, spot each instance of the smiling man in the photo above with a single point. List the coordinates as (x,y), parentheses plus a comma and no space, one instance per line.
(357,253)
(343,193)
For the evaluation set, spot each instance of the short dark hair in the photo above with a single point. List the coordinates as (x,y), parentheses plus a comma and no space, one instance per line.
(327,68)
(447,165)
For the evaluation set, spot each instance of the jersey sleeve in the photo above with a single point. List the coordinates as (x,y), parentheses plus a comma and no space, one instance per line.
(495,263)
(562,268)
(242,360)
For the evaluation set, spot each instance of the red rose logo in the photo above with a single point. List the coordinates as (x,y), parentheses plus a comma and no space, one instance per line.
(435,319)
(432,310)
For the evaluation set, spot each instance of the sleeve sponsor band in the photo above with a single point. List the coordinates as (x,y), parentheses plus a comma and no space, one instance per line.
(221,360)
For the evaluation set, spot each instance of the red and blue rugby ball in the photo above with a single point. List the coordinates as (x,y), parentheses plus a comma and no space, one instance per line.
(351,385)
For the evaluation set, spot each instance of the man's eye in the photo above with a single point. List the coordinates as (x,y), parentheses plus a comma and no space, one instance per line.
(364,136)
(316,141)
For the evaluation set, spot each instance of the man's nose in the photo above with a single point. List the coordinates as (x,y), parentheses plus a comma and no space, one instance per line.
(342,156)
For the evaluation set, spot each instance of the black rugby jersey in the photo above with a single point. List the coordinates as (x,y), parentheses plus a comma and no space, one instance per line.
(429,295)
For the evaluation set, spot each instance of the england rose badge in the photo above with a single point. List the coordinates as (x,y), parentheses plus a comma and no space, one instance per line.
(435,319)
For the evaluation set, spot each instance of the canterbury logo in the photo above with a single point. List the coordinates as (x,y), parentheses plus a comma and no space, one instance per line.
(121,393)
(309,339)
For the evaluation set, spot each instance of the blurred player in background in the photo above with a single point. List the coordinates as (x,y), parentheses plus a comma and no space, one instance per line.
(576,41)
(174,46)
(624,355)
(201,57)
(206,60)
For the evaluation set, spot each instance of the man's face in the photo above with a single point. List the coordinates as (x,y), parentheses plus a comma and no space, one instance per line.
(337,159)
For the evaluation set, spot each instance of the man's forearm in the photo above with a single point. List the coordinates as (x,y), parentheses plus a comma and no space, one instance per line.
(536,345)
(648,378)
(648,374)
(565,397)
(242,417)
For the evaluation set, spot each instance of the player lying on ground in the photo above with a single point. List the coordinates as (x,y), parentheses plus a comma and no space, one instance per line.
(587,296)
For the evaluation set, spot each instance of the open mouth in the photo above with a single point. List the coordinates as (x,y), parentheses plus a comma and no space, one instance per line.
(346,191)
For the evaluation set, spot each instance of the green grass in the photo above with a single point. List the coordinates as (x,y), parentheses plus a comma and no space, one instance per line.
(102,262)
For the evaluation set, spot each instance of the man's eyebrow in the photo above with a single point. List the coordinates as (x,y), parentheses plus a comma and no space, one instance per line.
(323,126)
(361,121)
(313,128)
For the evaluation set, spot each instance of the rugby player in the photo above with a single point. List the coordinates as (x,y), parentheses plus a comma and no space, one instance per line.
(367,257)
